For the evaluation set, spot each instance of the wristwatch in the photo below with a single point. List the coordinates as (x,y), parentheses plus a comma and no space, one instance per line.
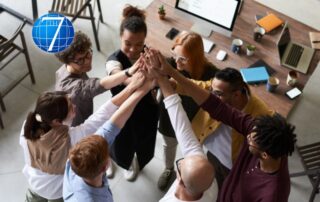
(127,73)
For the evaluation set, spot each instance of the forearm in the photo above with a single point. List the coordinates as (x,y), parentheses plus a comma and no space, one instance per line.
(198,94)
(188,142)
(108,131)
(122,96)
(113,80)
(165,86)
(121,116)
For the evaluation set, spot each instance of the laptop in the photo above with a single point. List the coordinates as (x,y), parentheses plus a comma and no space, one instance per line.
(293,55)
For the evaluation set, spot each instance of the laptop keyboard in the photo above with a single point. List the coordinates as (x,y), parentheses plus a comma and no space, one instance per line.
(294,55)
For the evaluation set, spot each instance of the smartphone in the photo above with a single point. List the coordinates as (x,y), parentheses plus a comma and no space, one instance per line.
(293,93)
(173,32)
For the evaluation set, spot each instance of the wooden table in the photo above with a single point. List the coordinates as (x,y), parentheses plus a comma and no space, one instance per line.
(243,29)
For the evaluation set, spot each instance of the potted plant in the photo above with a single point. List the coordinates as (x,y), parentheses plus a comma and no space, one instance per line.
(250,49)
(161,12)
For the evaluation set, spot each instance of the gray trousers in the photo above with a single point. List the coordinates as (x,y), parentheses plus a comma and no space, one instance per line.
(169,151)
(33,197)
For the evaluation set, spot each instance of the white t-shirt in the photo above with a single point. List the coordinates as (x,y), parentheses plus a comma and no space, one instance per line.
(219,143)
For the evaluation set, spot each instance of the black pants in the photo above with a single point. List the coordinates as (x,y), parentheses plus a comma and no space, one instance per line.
(221,171)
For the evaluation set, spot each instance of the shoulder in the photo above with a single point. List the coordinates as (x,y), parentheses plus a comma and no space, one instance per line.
(117,55)
(210,71)
(257,107)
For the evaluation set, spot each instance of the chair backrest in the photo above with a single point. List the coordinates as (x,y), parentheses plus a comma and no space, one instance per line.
(6,45)
(70,7)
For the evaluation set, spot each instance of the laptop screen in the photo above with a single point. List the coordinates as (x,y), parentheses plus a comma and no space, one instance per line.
(284,40)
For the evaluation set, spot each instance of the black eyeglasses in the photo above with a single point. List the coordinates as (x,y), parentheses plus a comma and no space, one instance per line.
(178,165)
(80,61)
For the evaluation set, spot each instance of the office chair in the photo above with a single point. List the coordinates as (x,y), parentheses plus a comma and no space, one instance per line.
(9,51)
(310,157)
(78,9)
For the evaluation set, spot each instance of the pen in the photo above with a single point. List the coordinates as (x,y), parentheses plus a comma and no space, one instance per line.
(315,41)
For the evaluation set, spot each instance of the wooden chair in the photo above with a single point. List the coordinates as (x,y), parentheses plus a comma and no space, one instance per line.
(310,157)
(78,9)
(9,51)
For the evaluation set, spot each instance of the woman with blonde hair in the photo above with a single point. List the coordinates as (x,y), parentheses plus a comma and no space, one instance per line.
(189,58)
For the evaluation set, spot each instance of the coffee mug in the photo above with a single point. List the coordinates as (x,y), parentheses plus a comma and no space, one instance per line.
(258,33)
(236,45)
(292,78)
(273,83)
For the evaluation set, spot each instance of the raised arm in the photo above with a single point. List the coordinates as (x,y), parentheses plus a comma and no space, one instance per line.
(113,126)
(119,76)
(182,127)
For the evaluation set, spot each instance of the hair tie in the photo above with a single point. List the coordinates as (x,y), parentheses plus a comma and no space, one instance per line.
(38,118)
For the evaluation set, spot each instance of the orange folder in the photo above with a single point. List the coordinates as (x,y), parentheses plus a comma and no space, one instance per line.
(270,22)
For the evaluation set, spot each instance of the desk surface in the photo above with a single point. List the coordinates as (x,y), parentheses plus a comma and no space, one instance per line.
(243,29)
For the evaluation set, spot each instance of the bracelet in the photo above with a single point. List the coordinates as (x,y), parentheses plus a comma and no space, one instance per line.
(127,73)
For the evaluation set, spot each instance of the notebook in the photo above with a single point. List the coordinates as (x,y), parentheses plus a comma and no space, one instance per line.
(261,63)
(270,22)
(254,75)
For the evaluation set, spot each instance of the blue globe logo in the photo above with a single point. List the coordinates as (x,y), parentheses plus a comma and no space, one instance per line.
(52,32)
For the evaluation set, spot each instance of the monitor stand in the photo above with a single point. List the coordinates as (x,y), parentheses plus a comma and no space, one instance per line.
(205,29)
(202,30)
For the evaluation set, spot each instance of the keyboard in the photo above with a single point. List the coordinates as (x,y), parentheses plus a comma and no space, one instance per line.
(294,55)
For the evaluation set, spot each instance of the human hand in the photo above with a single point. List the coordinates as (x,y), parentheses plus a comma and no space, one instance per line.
(150,58)
(137,80)
(136,66)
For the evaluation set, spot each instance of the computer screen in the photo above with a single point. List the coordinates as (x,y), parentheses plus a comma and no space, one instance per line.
(222,13)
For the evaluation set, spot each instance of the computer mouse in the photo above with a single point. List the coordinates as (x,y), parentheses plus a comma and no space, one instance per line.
(221,55)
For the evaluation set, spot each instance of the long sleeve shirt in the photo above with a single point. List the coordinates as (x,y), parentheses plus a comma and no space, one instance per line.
(246,182)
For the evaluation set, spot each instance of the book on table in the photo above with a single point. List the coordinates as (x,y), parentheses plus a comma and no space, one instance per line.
(254,75)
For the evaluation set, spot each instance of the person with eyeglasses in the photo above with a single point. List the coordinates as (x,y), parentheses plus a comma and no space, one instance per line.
(195,174)
(260,173)
(47,136)
(222,142)
(72,77)
(189,58)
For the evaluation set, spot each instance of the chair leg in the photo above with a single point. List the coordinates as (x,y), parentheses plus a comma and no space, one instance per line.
(315,189)
(100,13)
(1,122)
(26,54)
(3,107)
(94,27)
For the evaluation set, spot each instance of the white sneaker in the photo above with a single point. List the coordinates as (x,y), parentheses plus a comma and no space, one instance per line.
(133,171)
(110,170)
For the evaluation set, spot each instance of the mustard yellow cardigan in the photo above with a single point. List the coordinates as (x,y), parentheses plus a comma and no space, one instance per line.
(203,125)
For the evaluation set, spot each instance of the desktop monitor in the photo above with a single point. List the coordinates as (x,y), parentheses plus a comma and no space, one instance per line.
(208,15)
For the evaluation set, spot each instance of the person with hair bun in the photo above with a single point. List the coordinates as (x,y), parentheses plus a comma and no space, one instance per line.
(139,133)
(46,138)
